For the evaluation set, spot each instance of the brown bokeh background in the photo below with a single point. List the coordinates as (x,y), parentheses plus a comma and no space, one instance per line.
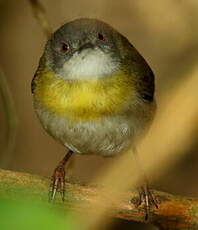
(165,33)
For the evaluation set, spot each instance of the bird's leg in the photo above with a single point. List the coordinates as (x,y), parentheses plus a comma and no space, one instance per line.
(146,197)
(58,178)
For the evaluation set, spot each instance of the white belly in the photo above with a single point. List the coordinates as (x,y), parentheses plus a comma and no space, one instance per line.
(108,136)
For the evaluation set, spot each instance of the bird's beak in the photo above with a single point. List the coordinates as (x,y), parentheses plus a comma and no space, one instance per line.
(87,45)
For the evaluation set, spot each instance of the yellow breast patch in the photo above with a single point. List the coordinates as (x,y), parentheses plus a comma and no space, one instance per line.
(83,99)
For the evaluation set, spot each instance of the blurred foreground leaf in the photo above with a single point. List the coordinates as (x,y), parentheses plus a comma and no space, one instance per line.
(26,215)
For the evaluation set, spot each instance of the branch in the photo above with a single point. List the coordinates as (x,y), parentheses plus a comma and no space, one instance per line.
(174,212)
(40,15)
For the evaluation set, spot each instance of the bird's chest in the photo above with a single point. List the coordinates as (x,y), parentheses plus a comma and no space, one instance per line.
(83,100)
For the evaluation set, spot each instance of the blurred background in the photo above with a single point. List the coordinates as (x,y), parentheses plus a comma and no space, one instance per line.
(164,32)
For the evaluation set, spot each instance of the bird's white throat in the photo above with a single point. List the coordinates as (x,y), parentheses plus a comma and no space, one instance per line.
(89,64)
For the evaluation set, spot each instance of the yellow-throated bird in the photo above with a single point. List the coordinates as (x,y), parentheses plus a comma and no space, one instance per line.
(93,92)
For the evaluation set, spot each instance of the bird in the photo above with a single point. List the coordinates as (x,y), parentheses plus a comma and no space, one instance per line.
(93,92)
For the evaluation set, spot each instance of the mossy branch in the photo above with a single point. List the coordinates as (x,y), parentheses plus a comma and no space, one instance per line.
(175,212)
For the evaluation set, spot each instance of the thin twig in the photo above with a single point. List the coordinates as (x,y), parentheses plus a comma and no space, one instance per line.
(11,119)
(40,15)
(175,213)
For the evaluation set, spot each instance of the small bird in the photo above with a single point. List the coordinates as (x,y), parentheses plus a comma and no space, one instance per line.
(94,93)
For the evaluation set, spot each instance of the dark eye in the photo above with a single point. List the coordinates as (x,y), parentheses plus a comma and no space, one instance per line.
(64,48)
(101,37)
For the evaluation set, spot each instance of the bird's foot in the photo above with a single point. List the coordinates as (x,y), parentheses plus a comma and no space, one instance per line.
(147,199)
(57,183)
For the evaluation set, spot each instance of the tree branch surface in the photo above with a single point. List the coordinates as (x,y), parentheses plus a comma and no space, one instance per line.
(174,212)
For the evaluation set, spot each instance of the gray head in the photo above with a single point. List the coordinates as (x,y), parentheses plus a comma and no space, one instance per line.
(85,48)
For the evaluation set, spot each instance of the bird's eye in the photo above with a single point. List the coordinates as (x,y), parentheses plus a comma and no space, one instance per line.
(64,48)
(101,37)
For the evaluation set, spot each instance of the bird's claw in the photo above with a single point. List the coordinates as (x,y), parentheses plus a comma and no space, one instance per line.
(147,199)
(57,183)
